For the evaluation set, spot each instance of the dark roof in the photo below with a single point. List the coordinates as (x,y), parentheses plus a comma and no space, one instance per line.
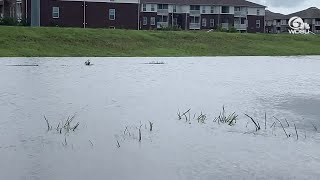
(271,15)
(312,12)
(207,2)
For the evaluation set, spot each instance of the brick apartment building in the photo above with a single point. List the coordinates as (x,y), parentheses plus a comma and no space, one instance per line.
(243,15)
(278,23)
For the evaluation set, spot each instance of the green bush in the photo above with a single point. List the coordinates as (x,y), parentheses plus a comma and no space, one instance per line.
(8,21)
(232,30)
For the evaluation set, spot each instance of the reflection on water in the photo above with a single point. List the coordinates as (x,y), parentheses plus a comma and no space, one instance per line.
(118,92)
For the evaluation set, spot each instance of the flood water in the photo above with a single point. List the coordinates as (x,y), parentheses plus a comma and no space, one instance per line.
(115,93)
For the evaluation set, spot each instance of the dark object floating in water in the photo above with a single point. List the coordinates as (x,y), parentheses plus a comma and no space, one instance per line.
(24,65)
(87,63)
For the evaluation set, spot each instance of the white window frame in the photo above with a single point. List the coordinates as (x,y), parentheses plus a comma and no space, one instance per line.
(211,22)
(283,22)
(212,9)
(193,19)
(258,24)
(153,8)
(225,12)
(153,21)
(258,12)
(174,8)
(203,9)
(112,14)
(145,21)
(204,22)
(55,12)
(144,7)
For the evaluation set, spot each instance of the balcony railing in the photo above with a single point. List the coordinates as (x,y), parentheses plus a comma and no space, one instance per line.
(317,23)
(194,26)
(278,24)
(162,25)
(240,26)
(240,13)
(163,11)
(194,12)
(225,26)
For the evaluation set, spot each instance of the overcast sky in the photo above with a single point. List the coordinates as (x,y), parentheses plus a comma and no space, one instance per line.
(288,6)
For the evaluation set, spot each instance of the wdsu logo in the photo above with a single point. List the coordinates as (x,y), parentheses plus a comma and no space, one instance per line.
(298,26)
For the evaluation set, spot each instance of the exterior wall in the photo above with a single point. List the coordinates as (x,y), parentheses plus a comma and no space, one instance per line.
(208,17)
(71,14)
(148,15)
(252,24)
(97,15)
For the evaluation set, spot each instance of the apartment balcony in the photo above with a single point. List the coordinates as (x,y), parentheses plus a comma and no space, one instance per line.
(240,14)
(317,23)
(225,26)
(278,24)
(194,12)
(162,25)
(194,26)
(163,12)
(240,26)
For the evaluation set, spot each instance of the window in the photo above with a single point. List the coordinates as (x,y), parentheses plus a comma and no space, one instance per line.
(204,22)
(258,12)
(237,9)
(195,8)
(152,7)
(153,21)
(225,9)
(257,23)
(112,14)
(144,7)
(162,6)
(162,18)
(203,9)
(112,27)
(174,8)
(194,19)
(145,21)
(19,10)
(211,22)
(55,12)
(212,10)
(283,22)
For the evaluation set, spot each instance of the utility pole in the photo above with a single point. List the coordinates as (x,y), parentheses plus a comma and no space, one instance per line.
(84,13)
(139,14)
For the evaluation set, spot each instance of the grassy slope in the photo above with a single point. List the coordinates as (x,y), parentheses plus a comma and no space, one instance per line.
(24,41)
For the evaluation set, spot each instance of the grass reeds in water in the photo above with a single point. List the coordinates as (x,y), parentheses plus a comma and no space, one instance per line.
(231,119)
(48,124)
(151,125)
(296,131)
(66,127)
(201,118)
(256,123)
(314,126)
(282,127)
